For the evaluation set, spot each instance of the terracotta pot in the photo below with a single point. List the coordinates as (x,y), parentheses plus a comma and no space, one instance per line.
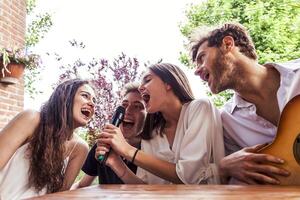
(16,72)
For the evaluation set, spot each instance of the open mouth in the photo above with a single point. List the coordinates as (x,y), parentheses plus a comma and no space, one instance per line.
(127,123)
(86,112)
(204,76)
(146,98)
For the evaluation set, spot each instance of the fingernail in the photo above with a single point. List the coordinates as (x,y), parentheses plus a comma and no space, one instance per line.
(280,160)
(286,173)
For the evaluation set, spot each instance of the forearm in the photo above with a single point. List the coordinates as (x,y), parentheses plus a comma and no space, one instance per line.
(125,174)
(224,178)
(158,167)
(85,181)
(75,163)
(75,186)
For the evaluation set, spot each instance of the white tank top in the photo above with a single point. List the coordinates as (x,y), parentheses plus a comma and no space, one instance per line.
(14,176)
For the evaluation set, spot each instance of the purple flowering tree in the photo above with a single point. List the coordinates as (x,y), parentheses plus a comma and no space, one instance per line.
(108,78)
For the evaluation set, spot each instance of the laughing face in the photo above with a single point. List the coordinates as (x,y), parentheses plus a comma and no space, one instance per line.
(135,115)
(214,68)
(84,104)
(153,91)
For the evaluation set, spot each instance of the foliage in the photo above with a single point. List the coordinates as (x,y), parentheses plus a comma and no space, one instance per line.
(30,61)
(37,28)
(221,98)
(30,5)
(108,78)
(39,25)
(274,25)
(184,59)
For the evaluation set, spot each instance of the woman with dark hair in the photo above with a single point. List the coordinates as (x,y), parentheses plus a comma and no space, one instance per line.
(39,153)
(131,127)
(182,139)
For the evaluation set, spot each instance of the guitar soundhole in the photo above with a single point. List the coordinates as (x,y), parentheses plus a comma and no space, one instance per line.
(296,149)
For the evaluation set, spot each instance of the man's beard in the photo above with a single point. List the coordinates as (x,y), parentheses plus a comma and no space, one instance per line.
(221,73)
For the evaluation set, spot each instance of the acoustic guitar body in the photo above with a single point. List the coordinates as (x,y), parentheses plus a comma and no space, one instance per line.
(286,144)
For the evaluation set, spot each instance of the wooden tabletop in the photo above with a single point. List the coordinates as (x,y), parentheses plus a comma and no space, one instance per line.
(178,192)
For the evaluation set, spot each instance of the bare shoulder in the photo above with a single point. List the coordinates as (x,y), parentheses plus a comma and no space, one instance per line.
(31,116)
(25,123)
(81,142)
(16,133)
(81,146)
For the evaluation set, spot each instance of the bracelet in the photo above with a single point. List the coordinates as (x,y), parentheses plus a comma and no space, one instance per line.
(134,155)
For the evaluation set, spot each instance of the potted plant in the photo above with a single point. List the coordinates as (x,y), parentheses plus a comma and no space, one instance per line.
(13,62)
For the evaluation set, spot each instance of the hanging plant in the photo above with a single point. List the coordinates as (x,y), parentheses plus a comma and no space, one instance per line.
(15,61)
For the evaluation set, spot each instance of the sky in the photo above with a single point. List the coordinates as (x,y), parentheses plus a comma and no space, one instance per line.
(145,29)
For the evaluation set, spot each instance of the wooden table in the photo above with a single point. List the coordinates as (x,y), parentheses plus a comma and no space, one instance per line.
(178,192)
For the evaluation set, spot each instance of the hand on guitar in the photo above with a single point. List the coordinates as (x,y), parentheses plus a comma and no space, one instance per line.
(246,166)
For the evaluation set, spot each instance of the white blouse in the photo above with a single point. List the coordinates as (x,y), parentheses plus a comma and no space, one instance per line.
(14,183)
(197,147)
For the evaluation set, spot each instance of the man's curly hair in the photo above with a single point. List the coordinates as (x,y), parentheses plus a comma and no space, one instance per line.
(214,37)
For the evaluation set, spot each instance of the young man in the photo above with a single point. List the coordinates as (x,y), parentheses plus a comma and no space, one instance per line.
(131,127)
(226,59)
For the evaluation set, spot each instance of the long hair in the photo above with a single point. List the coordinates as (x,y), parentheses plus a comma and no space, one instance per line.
(47,145)
(175,77)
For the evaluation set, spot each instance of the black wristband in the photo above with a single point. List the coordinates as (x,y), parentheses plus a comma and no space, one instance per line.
(134,155)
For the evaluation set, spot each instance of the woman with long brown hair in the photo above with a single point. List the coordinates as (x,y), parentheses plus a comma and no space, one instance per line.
(38,151)
(182,140)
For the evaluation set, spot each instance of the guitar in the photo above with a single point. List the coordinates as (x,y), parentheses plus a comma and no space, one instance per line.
(286,144)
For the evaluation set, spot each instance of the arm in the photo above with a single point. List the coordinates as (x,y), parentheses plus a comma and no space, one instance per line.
(118,166)
(246,166)
(200,147)
(85,181)
(75,163)
(158,167)
(113,137)
(16,133)
(89,168)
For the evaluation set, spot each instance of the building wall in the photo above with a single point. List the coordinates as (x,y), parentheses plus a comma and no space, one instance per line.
(12,35)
